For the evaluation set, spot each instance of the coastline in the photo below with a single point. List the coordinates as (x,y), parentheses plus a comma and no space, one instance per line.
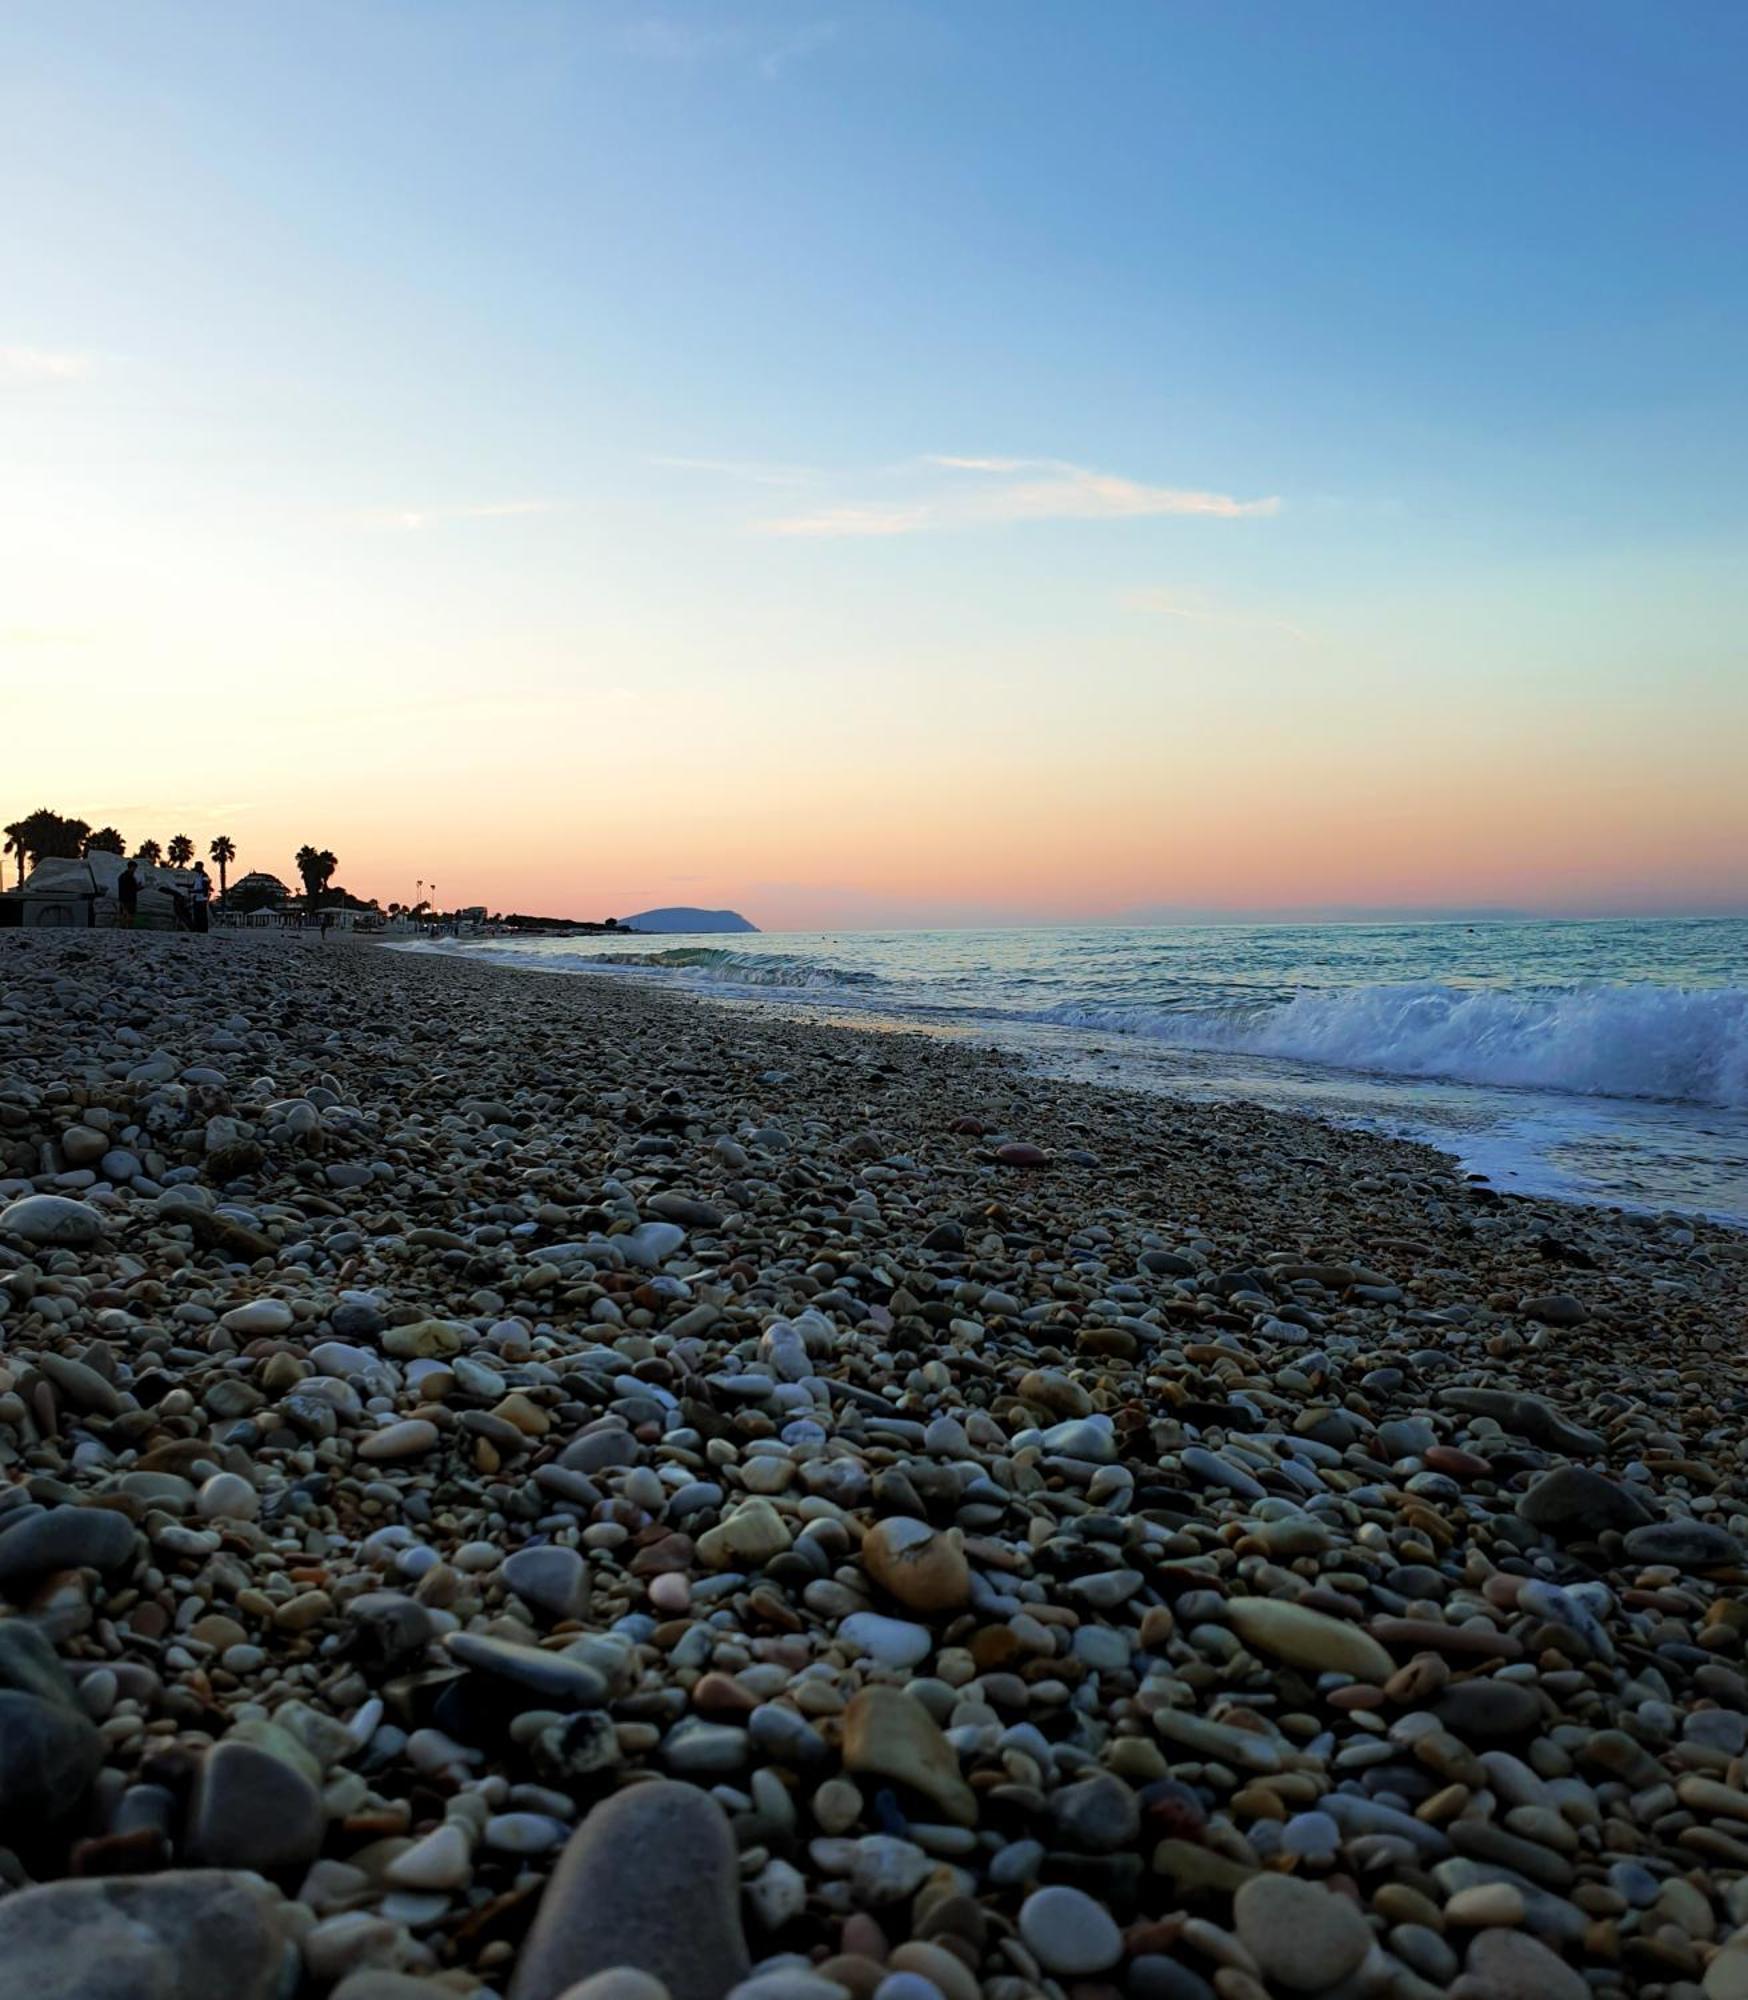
(640,1315)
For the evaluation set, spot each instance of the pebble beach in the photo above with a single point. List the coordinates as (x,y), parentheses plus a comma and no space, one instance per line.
(522,1486)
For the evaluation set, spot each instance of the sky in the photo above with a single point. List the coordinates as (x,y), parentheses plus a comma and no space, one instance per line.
(884,463)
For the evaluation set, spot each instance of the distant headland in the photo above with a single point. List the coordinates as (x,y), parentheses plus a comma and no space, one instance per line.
(683,919)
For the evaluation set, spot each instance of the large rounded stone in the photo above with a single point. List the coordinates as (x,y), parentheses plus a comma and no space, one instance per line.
(1688,1544)
(1303,1936)
(49,1754)
(187,1935)
(923,1567)
(650,1880)
(1310,1639)
(255,1810)
(889,1734)
(1574,1502)
(552,1578)
(1487,1711)
(66,1538)
(1517,1966)
(1066,1931)
(54,1221)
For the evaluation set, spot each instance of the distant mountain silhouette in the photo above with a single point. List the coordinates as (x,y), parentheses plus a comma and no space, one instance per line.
(688,920)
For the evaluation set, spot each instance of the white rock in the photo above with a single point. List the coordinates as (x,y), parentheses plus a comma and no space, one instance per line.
(259,1316)
(442,1860)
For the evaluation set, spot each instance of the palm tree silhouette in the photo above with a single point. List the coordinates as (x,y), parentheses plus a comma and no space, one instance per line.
(15,846)
(181,851)
(223,852)
(105,841)
(151,853)
(316,866)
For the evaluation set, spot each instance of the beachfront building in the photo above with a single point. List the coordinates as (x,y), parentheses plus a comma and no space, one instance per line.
(258,890)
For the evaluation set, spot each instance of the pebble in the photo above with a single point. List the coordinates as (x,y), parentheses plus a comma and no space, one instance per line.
(649,1881)
(1068,1932)
(1206,1522)
(1304,1937)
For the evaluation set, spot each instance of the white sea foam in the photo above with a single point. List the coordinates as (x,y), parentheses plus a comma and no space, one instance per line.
(1641,1041)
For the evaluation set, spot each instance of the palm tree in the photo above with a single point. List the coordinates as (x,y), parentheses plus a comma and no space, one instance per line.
(105,841)
(223,852)
(44,835)
(151,853)
(180,852)
(316,865)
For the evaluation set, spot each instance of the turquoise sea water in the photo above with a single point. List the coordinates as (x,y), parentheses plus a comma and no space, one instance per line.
(1603,1061)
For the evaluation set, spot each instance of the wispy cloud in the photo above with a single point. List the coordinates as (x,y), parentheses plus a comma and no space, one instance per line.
(1171,604)
(967,492)
(805,42)
(40,364)
(661,38)
(409,520)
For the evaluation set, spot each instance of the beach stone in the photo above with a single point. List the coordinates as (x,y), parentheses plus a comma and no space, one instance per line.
(546,1678)
(1554,1309)
(443,1860)
(254,1809)
(1517,1966)
(1067,1932)
(412,1437)
(424,1340)
(1572,1501)
(1097,1815)
(53,1221)
(66,1538)
(258,1317)
(894,1642)
(640,1858)
(1688,1544)
(648,1247)
(1531,1417)
(621,1982)
(82,1386)
(553,1579)
(186,1935)
(923,1567)
(1304,1937)
(374,1982)
(1484,1710)
(1307,1638)
(50,1752)
(752,1534)
(30,1665)
(1726,1977)
(227,1496)
(889,1734)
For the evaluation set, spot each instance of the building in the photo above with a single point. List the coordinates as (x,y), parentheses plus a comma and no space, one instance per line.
(259,890)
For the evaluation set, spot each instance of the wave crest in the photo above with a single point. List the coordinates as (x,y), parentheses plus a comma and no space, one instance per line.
(1646,1041)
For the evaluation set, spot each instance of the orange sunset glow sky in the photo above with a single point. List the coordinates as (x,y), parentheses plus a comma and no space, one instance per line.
(875,465)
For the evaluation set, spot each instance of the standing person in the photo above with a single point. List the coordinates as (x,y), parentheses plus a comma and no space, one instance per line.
(127,896)
(200,894)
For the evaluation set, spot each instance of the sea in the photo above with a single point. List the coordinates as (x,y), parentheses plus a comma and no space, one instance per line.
(1591,1061)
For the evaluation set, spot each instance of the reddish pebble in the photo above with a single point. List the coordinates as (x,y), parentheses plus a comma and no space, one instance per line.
(718,1694)
(1017,1153)
(1455,1464)
(1358,1695)
(863,1938)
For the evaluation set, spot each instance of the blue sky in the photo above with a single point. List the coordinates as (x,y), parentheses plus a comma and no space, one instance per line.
(871,413)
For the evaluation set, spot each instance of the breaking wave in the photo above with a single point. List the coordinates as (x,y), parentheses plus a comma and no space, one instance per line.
(1644,1041)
